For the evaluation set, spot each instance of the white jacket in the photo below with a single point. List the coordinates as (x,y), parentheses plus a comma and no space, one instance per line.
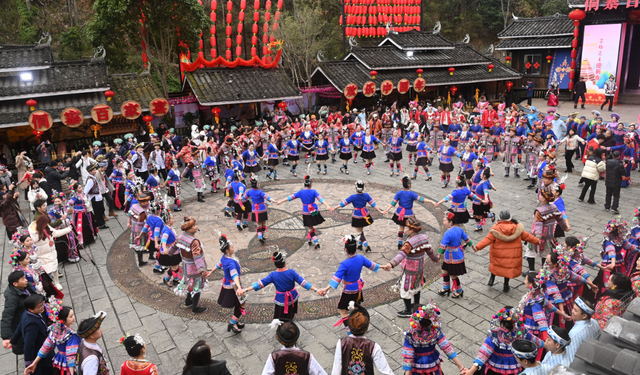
(34,195)
(592,169)
(46,248)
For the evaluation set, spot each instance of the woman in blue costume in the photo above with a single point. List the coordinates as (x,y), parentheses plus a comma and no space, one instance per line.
(61,338)
(251,159)
(211,164)
(482,204)
(356,138)
(173,180)
(258,207)
(458,199)
(395,152)
(369,143)
(284,280)
(495,356)
(360,217)
(154,183)
(451,251)
(446,152)
(117,179)
(575,248)
(169,255)
(150,234)
(293,155)
(412,143)
(419,353)
(231,285)
(349,275)
(422,158)
(467,159)
(241,205)
(322,152)
(618,252)
(559,202)
(311,217)
(273,153)
(404,199)
(306,138)
(345,151)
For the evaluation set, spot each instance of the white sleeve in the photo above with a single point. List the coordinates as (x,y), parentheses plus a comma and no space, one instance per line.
(337,360)
(380,361)
(314,367)
(269,367)
(90,365)
(88,186)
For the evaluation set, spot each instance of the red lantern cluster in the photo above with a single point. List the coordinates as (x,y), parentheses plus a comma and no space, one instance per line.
(576,15)
(229,29)
(212,29)
(243,5)
(368,18)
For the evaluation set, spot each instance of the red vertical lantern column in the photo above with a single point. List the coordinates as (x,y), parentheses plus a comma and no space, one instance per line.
(265,31)
(143,32)
(200,42)
(212,39)
(275,21)
(254,27)
(229,30)
(576,15)
(243,5)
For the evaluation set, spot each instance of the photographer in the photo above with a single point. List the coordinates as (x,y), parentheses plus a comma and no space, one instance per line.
(613,180)
(44,151)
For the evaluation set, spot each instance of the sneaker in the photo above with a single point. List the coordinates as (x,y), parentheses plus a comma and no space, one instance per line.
(58,286)
(74,260)
(317,246)
(158,270)
(615,212)
(404,314)
(239,228)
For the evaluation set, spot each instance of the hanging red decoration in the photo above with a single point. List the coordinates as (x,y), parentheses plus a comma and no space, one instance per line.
(282,105)
(576,15)
(109,94)
(216,112)
(490,66)
(419,71)
(451,70)
(453,90)
(509,85)
(549,58)
(212,39)
(508,59)
(373,74)
(229,30)
(32,104)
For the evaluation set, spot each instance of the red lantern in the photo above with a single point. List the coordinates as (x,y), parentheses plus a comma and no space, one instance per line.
(576,32)
(574,54)
(572,75)
(419,71)
(229,5)
(453,90)
(490,66)
(574,43)
(238,50)
(549,58)
(256,16)
(577,15)
(238,39)
(508,59)
(32,104)
(509,85)
(282,105)
(216,112)
(573,64)
(109,94)
(451,70)
(147,119)
(241,16)
(256,4)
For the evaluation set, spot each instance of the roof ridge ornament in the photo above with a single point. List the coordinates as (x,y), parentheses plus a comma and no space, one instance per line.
(44,36)
(515,18)
(320,56)
(466,39)
(99,54)
(491,48)
(352,42)
(390,29)
(437,28)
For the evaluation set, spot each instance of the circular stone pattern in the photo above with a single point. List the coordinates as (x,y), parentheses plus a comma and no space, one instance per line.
(285,233)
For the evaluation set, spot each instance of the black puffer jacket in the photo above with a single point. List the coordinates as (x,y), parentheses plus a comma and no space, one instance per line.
(615,171)
(54,176)
(217,368)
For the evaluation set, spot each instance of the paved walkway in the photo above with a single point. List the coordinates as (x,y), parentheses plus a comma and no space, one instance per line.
(89,289)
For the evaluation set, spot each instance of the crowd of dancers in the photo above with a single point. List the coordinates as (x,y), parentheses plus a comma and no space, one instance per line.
(564,304)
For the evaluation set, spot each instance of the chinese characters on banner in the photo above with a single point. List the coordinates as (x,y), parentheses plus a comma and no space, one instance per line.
(600,52)
(419,84)
(350,92)
(608,4)
(72,117)
(131,110)
(403,86)
(386,87)
(101,113)
(369,89)
(40,121)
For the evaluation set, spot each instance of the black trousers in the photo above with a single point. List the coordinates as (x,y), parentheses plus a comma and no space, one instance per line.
(98,212)
(588,183)
(577,98)
(529,98)
(615,192)
(110,202)
(568,156)
(608,99)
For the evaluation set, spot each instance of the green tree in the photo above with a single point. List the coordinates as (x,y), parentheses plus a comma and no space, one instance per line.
(304,31)
(116,25)
(72,44)
(551,7)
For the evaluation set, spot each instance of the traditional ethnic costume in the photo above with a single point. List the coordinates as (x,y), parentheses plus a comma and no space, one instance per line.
(616,248)
(545,219)
(419,353)
(395,154)
(311,217)
(62,338)
(66,246)
(90,356)
(130,367)
(290,359)
(173,180)
(511,148)
(258,208)
(452,244)
(151,232)
(82,220)
(92,192)
(345,154)
(228,298)
(422,160)
(404,199)
(137,218)
(195,167)
(193,265)
(306,138)
(535,308)
(360,217)
(212,172)
(467,158)
(369,143)
(322,153)
(458,199)
(242,206)
(481,210)
(446,163)
(117,178)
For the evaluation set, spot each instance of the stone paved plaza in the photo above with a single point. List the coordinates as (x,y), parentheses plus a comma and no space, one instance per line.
(171,332)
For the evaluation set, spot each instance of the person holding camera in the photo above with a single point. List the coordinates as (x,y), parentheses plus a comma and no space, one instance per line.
(44,151)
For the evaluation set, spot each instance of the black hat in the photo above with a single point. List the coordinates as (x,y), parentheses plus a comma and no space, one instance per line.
(89,326)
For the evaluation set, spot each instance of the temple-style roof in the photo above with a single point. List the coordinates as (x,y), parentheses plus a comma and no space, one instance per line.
(132,86)
(25,57)
(528,43)
(221,86)
(417,40)
(557,25)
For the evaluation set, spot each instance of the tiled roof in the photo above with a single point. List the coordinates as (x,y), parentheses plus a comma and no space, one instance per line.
(526,43)
(390,57)
(418,40)
(16,112)
(61,77)
(604,18)
(341,73)
(14,57)
(219,86)
(141,88)
(536,27)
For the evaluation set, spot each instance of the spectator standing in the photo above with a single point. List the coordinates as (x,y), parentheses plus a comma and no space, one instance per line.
(45,152)
(54,176)
(559,127)
(35,194)
(613,181)
(12,217)
(199,362)
(14,297)
(5,176)
(610,89)
(32,330)
(22,163)
(529,88)
(572,140)
(590,174)
(579,91)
